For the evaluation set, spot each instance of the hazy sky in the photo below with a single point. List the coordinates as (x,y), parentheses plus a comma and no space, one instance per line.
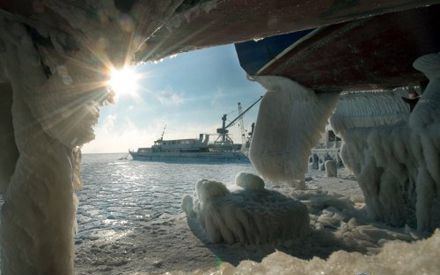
(188,92)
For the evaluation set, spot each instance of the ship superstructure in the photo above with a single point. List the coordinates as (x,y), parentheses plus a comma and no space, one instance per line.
(222,149)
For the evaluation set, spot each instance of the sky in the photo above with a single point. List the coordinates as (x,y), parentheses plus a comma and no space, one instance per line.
(188,93)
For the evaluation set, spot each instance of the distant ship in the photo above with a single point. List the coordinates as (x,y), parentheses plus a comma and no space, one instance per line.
(222,150)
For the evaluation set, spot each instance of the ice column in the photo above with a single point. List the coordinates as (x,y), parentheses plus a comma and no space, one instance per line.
(395,155)
(49,117)
(290,121)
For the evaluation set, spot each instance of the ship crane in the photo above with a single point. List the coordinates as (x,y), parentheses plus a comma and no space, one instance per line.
(223,137)
(241,124)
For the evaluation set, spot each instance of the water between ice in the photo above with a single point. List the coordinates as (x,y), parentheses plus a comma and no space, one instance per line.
(119,195)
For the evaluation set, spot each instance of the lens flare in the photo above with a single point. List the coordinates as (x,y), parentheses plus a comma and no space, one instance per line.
(124,81)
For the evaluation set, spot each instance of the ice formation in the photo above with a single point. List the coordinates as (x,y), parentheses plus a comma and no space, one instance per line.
(53,73)
(396,257)
(253,215)
(46,122)
(52,69)
(290,121)
(393,153)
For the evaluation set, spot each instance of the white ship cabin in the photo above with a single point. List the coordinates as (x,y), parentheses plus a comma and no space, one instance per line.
(182,145)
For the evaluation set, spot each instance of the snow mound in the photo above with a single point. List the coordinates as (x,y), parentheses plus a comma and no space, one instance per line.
(397,257)
(290,121)
(253,215)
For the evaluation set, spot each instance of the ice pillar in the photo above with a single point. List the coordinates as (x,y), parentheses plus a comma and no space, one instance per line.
(290,121)
(395,154)
(47,118)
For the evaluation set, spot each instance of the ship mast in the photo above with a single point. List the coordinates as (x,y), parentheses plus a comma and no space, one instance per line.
(163,133)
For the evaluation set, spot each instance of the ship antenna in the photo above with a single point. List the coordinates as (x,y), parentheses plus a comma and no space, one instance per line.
(163,132)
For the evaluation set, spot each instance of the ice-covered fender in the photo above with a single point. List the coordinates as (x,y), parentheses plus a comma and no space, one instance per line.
(290,121)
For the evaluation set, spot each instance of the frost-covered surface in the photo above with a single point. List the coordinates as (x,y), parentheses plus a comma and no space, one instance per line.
(396,155)
(395,258)
(252,215)
(290,121)
(130,220)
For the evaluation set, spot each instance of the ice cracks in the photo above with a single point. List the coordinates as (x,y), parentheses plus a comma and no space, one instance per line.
(290,121)
(252,215)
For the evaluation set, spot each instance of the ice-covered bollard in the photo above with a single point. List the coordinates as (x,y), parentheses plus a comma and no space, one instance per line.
(253,215)
(331,168)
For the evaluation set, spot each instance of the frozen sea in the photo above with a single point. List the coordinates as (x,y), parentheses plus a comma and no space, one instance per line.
(120,195)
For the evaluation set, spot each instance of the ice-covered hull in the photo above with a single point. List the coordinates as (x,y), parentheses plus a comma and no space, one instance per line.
(191,157)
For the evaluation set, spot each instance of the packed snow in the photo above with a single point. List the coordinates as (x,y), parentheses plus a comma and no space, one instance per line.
(397,257)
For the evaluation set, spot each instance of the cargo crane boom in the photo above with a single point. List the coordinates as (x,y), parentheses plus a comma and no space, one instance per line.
(223,131)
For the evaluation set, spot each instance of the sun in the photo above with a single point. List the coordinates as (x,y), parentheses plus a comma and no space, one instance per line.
(124,81)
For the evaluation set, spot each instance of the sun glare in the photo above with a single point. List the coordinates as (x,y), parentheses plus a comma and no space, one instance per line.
(124,81)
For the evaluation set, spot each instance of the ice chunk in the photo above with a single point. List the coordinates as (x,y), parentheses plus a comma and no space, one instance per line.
(249,181)
(188,205)
(250,216)
(210,189)
(289,123)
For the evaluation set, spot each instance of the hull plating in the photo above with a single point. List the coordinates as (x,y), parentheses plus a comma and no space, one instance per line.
(185,157)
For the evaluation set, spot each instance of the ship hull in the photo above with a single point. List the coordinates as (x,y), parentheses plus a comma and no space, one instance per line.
(191,157)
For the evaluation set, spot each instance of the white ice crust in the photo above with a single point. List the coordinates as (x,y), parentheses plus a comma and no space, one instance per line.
(249,216)
(53,77)
(290,121)
(396,155)
(396,258)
